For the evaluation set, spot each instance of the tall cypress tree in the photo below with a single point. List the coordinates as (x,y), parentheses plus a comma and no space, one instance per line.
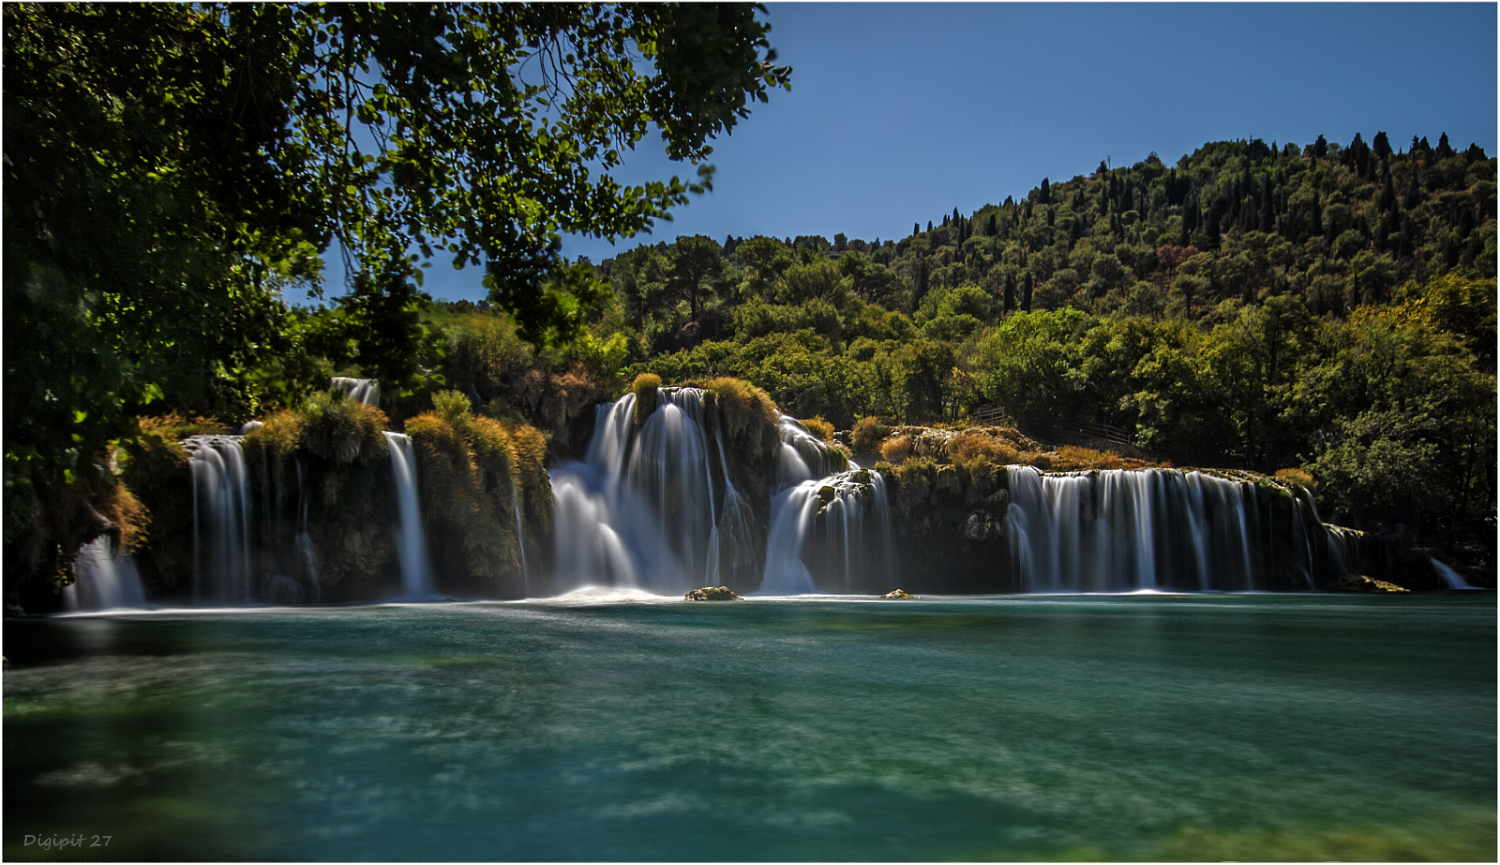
(1026,292)
(1010,292)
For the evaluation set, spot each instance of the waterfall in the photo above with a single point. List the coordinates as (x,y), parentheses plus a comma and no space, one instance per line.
(221,520)
(1340,541)
(811,503)
(1113,531)
(416,572)
(103,582)
(1450,576)
(801,457)
(834,507)
(639,511)
(365,390)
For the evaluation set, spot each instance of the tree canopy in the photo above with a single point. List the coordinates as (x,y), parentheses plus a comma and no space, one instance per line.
(169,168)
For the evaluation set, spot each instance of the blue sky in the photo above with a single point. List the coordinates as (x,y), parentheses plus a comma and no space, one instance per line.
(900,112)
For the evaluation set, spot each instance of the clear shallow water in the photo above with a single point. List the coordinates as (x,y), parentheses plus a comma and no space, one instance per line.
(1151,727)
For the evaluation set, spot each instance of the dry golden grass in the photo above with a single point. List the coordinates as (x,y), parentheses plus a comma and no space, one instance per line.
(1071,458)
(820,428)
(867,435)
(749,415)
(129,517)
(1296,477)
(896,449)
(341,430)
(645,387)
(974,444)
(174,426)
(279,434)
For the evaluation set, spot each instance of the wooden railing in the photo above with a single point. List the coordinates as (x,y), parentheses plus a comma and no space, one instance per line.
(987,414)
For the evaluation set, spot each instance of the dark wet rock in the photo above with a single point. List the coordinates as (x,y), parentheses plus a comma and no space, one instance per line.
(709,593)
(983,526)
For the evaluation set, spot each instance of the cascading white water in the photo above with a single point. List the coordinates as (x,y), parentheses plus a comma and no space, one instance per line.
(221,520)
(809,496)
(1340,539)
(801,457)
(103,582)
(639,511)
(841,502)
(1113,531)
(1450,577)
(365,390)
(411,541)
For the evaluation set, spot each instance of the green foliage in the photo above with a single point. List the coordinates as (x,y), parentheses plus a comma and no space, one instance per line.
(170,169)
(146,237)
(452,407)
(1032,365)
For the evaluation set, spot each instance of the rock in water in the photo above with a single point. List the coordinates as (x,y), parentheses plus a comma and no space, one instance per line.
(899,595)
(709,593)
(1359,583)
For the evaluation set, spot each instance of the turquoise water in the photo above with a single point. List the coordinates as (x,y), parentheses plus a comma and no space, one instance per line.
(1146,727)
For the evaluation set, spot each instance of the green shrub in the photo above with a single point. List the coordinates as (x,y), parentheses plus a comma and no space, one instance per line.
(453,407)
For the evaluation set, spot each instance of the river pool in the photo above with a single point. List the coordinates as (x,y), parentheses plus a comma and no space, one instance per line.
(606,728)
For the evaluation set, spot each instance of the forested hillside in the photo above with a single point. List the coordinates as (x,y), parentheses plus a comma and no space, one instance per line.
(1258,305)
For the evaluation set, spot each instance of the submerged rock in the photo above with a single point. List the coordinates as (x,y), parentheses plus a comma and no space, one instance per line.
(709,593)
(898,595)
(1360,583)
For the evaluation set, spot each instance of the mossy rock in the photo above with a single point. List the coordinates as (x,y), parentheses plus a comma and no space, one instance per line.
(1360,583)
(709,593)
(898,595)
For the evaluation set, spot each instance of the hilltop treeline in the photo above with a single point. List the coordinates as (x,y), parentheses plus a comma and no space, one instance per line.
(1337,227)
